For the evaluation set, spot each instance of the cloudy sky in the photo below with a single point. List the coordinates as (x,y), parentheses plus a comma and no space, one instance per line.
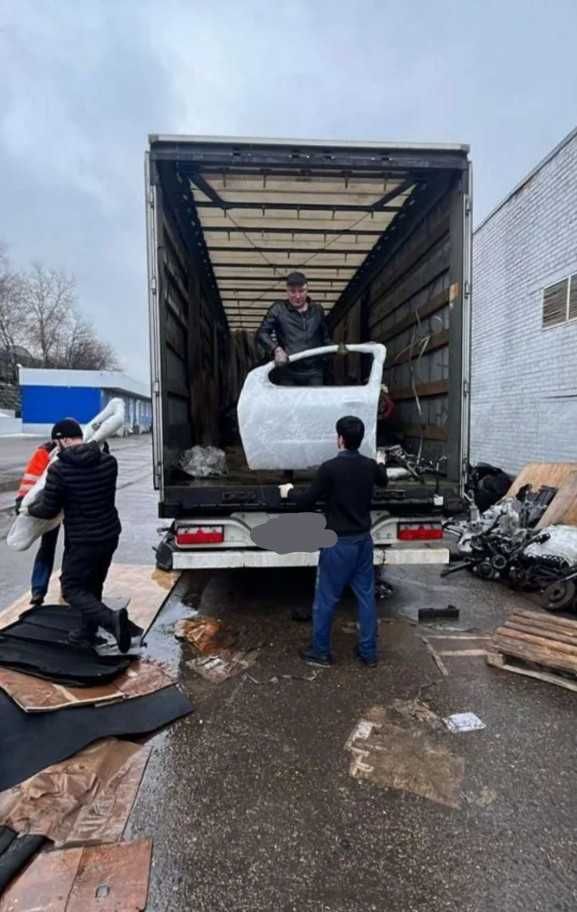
(82,84)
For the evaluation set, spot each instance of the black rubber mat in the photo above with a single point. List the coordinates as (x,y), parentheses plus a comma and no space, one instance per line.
(33,741)
(37,644)
(17,852)
(6,837)
(52,623)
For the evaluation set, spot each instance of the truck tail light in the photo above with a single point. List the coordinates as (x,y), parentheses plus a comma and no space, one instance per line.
(200,535)
(419,532)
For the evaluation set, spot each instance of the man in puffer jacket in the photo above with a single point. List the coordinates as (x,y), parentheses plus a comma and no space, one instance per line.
(44,560)
(81,482)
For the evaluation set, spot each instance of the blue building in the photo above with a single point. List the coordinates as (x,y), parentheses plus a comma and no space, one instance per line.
(49,395)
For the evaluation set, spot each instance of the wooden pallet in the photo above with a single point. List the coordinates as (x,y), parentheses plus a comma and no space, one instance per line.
(538,645)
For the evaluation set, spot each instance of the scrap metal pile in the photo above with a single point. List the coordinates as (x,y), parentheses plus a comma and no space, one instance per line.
(503,543)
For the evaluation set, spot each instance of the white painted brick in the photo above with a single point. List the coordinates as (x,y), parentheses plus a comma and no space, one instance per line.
(518,369)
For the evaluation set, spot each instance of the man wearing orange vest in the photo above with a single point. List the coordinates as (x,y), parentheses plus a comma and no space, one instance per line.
(44,561)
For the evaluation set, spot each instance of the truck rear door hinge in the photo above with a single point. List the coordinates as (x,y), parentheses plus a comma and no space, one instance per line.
(468,206)
(151,198)
(466,388)
(467,289)
(153,285)
(156,388)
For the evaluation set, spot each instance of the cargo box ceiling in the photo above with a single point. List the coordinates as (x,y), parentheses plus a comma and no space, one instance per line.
(257,210)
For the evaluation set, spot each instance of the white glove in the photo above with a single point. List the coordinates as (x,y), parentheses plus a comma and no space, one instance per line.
(280,356)
(284,490)
(381,457)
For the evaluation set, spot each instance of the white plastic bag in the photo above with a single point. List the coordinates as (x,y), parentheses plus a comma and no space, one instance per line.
(203,462)
(292,427)
(26,529)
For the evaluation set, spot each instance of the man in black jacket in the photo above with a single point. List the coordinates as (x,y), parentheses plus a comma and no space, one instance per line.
(292,326)
(345,484)
(82,484)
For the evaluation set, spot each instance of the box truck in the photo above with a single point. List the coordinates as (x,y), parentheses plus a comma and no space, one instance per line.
(383,233)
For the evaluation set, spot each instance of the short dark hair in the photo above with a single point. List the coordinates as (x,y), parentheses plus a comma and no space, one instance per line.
(352,430)
(296,280)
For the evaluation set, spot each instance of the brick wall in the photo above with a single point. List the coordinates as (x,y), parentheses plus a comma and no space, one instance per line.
(524,378)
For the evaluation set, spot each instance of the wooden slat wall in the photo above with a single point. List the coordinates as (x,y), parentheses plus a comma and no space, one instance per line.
(194,344)
(408,311)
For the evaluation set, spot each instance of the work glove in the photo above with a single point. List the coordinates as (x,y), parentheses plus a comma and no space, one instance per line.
(284,490)
(49,445)
(280,356)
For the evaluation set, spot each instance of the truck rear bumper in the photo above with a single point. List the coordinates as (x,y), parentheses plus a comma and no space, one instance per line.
(252,557)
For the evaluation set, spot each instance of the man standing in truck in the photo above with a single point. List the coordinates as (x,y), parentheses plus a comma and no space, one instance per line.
(292,326)
(345,484)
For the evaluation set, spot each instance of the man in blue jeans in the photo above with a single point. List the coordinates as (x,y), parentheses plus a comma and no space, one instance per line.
(345,484)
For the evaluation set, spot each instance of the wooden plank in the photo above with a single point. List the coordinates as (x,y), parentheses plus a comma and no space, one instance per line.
(415,282)
(551,619)
(304,184)
(37,695)
(343,221)
(536,640)
(424,390)
(498,661)
(543,623)
(436,658)
(416,248)
(436,341)
(537,474)
(533,653)
(173,251)
(543,632)
(462,652)
(429,432)
(175,279)
(563,507)
(89,878)
(426,310)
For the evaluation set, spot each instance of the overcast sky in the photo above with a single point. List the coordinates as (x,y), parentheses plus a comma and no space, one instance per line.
(82,84)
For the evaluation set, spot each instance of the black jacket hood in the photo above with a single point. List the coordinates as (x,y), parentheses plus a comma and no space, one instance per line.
(85,455)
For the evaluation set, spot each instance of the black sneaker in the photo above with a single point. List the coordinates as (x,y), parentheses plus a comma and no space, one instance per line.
(318,661)
(371,662)
(37,600)
(121,630)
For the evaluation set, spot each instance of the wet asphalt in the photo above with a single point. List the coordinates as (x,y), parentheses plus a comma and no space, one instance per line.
(250,802)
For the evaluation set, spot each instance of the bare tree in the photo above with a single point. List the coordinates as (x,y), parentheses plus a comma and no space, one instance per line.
(12,315)
(83,350)
(55,332)
(49,296)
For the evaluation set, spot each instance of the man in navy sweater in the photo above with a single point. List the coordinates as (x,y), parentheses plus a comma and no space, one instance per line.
(345,484)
